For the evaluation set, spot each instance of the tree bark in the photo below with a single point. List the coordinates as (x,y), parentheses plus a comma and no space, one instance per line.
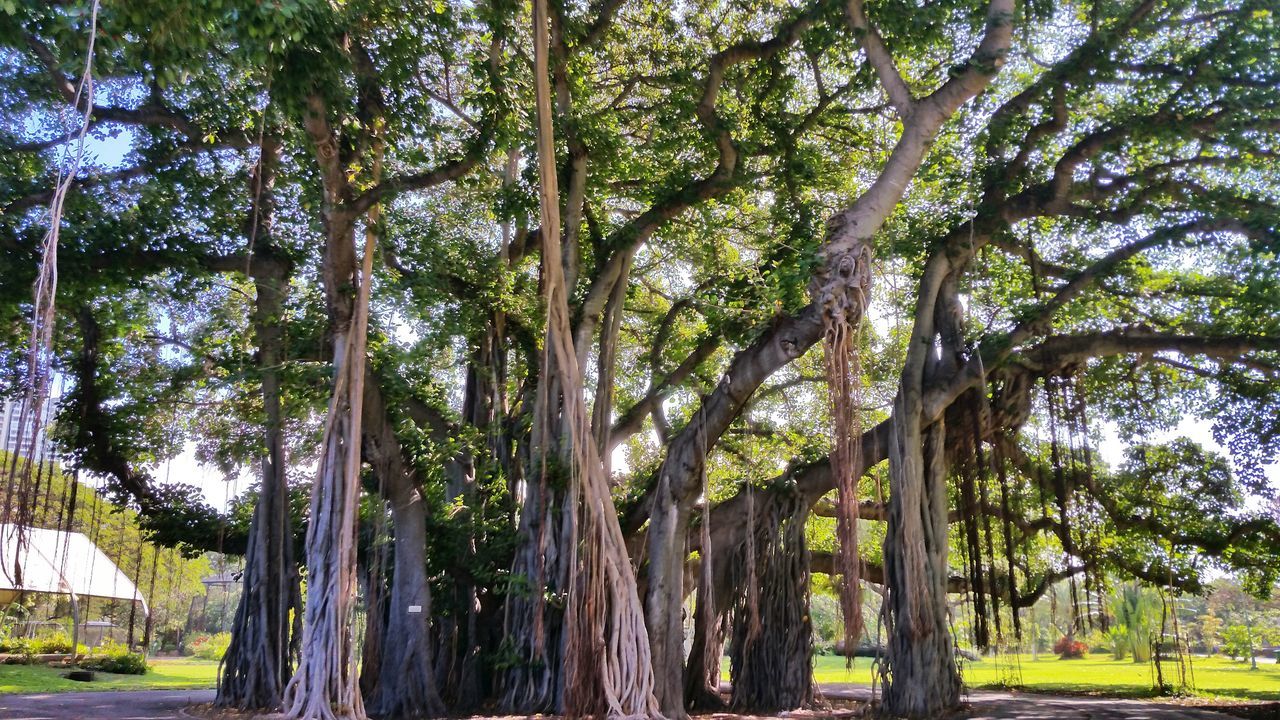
(607,658)
(921,680)
(678,488)
(406,685)
(533,679)
(258,661)
(324,685)
(772,650)
(372,574)
(257,665)
(458,666)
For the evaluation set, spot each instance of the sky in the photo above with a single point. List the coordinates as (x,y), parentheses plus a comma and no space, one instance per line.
(217,488)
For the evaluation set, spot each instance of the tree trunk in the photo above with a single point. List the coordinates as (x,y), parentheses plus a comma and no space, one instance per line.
(921,680)
(458,658)
(406,682)
(407,687)
(772,650)
(608,668)
(375,621)
(324,686)
(702,671)
(678,488)
(257,664)
(668,525)
(533,679)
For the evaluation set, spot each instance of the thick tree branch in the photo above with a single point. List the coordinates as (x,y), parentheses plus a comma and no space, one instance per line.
(1059,350)
(1041,319)
(880,59)
(630,422)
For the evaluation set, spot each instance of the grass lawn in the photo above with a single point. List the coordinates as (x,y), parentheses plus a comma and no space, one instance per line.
(1213,677)
(164,674)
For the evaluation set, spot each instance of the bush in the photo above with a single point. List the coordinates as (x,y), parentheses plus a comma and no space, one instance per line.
(115,658)
(822,647)
(211,647)
(55,643)
(1119,639)
(17,646)
(1068,647)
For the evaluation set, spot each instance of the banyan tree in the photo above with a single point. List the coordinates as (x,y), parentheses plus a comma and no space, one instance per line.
(575,346)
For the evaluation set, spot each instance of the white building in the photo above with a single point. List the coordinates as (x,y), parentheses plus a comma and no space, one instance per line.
(16,438)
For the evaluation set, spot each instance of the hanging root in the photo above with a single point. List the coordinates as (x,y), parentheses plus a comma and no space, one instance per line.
(843,292)
(21,489)
(770,658)
(702,673)
(608,669)
(324,684)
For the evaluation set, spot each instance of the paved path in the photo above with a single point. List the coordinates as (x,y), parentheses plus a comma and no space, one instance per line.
(982,705)
(103,705)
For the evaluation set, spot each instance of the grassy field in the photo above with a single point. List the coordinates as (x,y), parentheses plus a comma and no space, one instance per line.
(165,674)
(1099,674)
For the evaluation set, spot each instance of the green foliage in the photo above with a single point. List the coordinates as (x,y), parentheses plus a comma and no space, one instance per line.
(827,623)
(115,658)
(1208,631)
(1120,639)
(58,642)
(1238,642)
(18,646)
(25,649)
(1202,509)
(1136,610)
(210,647)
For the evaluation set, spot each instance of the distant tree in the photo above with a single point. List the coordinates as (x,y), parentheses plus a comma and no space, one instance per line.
(1207,632)
(1238,642)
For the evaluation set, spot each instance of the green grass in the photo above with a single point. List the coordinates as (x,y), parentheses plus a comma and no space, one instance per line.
(1095,674)
(164,674)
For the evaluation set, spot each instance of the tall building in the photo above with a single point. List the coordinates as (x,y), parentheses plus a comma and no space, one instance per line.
(16,438)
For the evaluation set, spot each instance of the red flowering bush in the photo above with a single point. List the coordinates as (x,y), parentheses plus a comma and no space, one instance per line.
(1068,647)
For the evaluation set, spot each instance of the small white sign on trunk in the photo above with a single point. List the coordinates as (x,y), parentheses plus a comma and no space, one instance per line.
(415,609)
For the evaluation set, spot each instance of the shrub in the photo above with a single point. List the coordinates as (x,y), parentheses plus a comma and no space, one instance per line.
(115,658)
(17,646)
(1068,647)
(1119,639)
(211,647)
(55,643)
(822,647)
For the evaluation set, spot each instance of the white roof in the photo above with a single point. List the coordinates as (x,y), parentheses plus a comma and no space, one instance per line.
(60,562)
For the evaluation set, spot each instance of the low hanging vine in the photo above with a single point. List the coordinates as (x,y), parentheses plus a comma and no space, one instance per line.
(843,293)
